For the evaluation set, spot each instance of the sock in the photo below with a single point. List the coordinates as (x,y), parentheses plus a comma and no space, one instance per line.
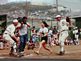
(61,49)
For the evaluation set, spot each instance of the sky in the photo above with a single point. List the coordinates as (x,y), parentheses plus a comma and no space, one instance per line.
(35,1)
(71,4)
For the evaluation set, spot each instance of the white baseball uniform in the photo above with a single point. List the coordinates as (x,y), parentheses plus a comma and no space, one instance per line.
(7,35)
(63,29)
(75,32)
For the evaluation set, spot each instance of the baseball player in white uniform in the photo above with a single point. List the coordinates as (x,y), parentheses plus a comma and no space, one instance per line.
(63,32)
(10,37)
(76,33)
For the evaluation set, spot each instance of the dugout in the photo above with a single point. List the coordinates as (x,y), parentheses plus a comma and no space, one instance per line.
(78,22)
(3,23)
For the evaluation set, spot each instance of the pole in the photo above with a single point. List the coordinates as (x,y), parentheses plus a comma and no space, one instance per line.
(26,9)
(57,11)
(51,23)
(57,7)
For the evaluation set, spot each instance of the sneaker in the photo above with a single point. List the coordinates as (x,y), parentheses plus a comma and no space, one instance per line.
(62,53)
(22,52)
(11,54)
(36,52)
(20,55)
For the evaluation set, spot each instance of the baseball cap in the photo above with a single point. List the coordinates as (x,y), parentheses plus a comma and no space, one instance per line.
(58,16)
(15,20)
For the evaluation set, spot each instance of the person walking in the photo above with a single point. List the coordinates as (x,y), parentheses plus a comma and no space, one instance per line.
(63,32)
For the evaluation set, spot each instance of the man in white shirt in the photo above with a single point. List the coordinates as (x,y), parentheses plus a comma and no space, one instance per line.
(63,32)
(23,32)
(10,37)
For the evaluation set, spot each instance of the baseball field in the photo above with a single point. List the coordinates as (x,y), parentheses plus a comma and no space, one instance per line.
(71,52)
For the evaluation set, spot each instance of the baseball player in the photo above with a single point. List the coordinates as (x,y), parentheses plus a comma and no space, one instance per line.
(76,35)
(63,32)
(10,37)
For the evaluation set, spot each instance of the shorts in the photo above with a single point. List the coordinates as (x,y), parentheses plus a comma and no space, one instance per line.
(44,38)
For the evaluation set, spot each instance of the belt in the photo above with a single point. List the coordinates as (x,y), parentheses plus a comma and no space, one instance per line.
(5,33)
(64,30)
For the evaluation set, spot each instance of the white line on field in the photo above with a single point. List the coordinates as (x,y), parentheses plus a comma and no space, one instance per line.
(2,57)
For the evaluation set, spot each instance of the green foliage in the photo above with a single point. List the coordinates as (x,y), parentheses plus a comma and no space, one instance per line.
(78,22)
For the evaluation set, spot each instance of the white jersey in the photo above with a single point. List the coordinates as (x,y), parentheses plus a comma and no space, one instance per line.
(10,30)
(62,25)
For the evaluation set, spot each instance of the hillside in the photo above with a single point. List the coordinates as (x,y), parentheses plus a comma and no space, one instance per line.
(22,5)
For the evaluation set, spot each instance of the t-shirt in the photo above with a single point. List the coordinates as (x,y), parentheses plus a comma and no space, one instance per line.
(23,30)
(43,30)
(10,30)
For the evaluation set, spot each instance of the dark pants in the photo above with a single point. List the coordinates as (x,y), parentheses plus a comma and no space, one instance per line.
(23,40)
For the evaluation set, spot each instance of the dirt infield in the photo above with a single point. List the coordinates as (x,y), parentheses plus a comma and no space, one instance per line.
(71,52)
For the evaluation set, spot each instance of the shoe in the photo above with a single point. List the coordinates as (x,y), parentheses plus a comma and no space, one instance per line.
(11,54)
(22,52)
(36,52)
(62,53)
(20,55)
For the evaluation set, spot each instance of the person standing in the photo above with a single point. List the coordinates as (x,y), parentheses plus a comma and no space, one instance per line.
(55,34)
(76,36)
(63,32)
(50,37)
(33,34)
(23,32)
(44,37)
(10,37)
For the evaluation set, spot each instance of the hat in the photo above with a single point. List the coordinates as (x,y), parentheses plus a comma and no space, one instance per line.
(58,16)
(15,20)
